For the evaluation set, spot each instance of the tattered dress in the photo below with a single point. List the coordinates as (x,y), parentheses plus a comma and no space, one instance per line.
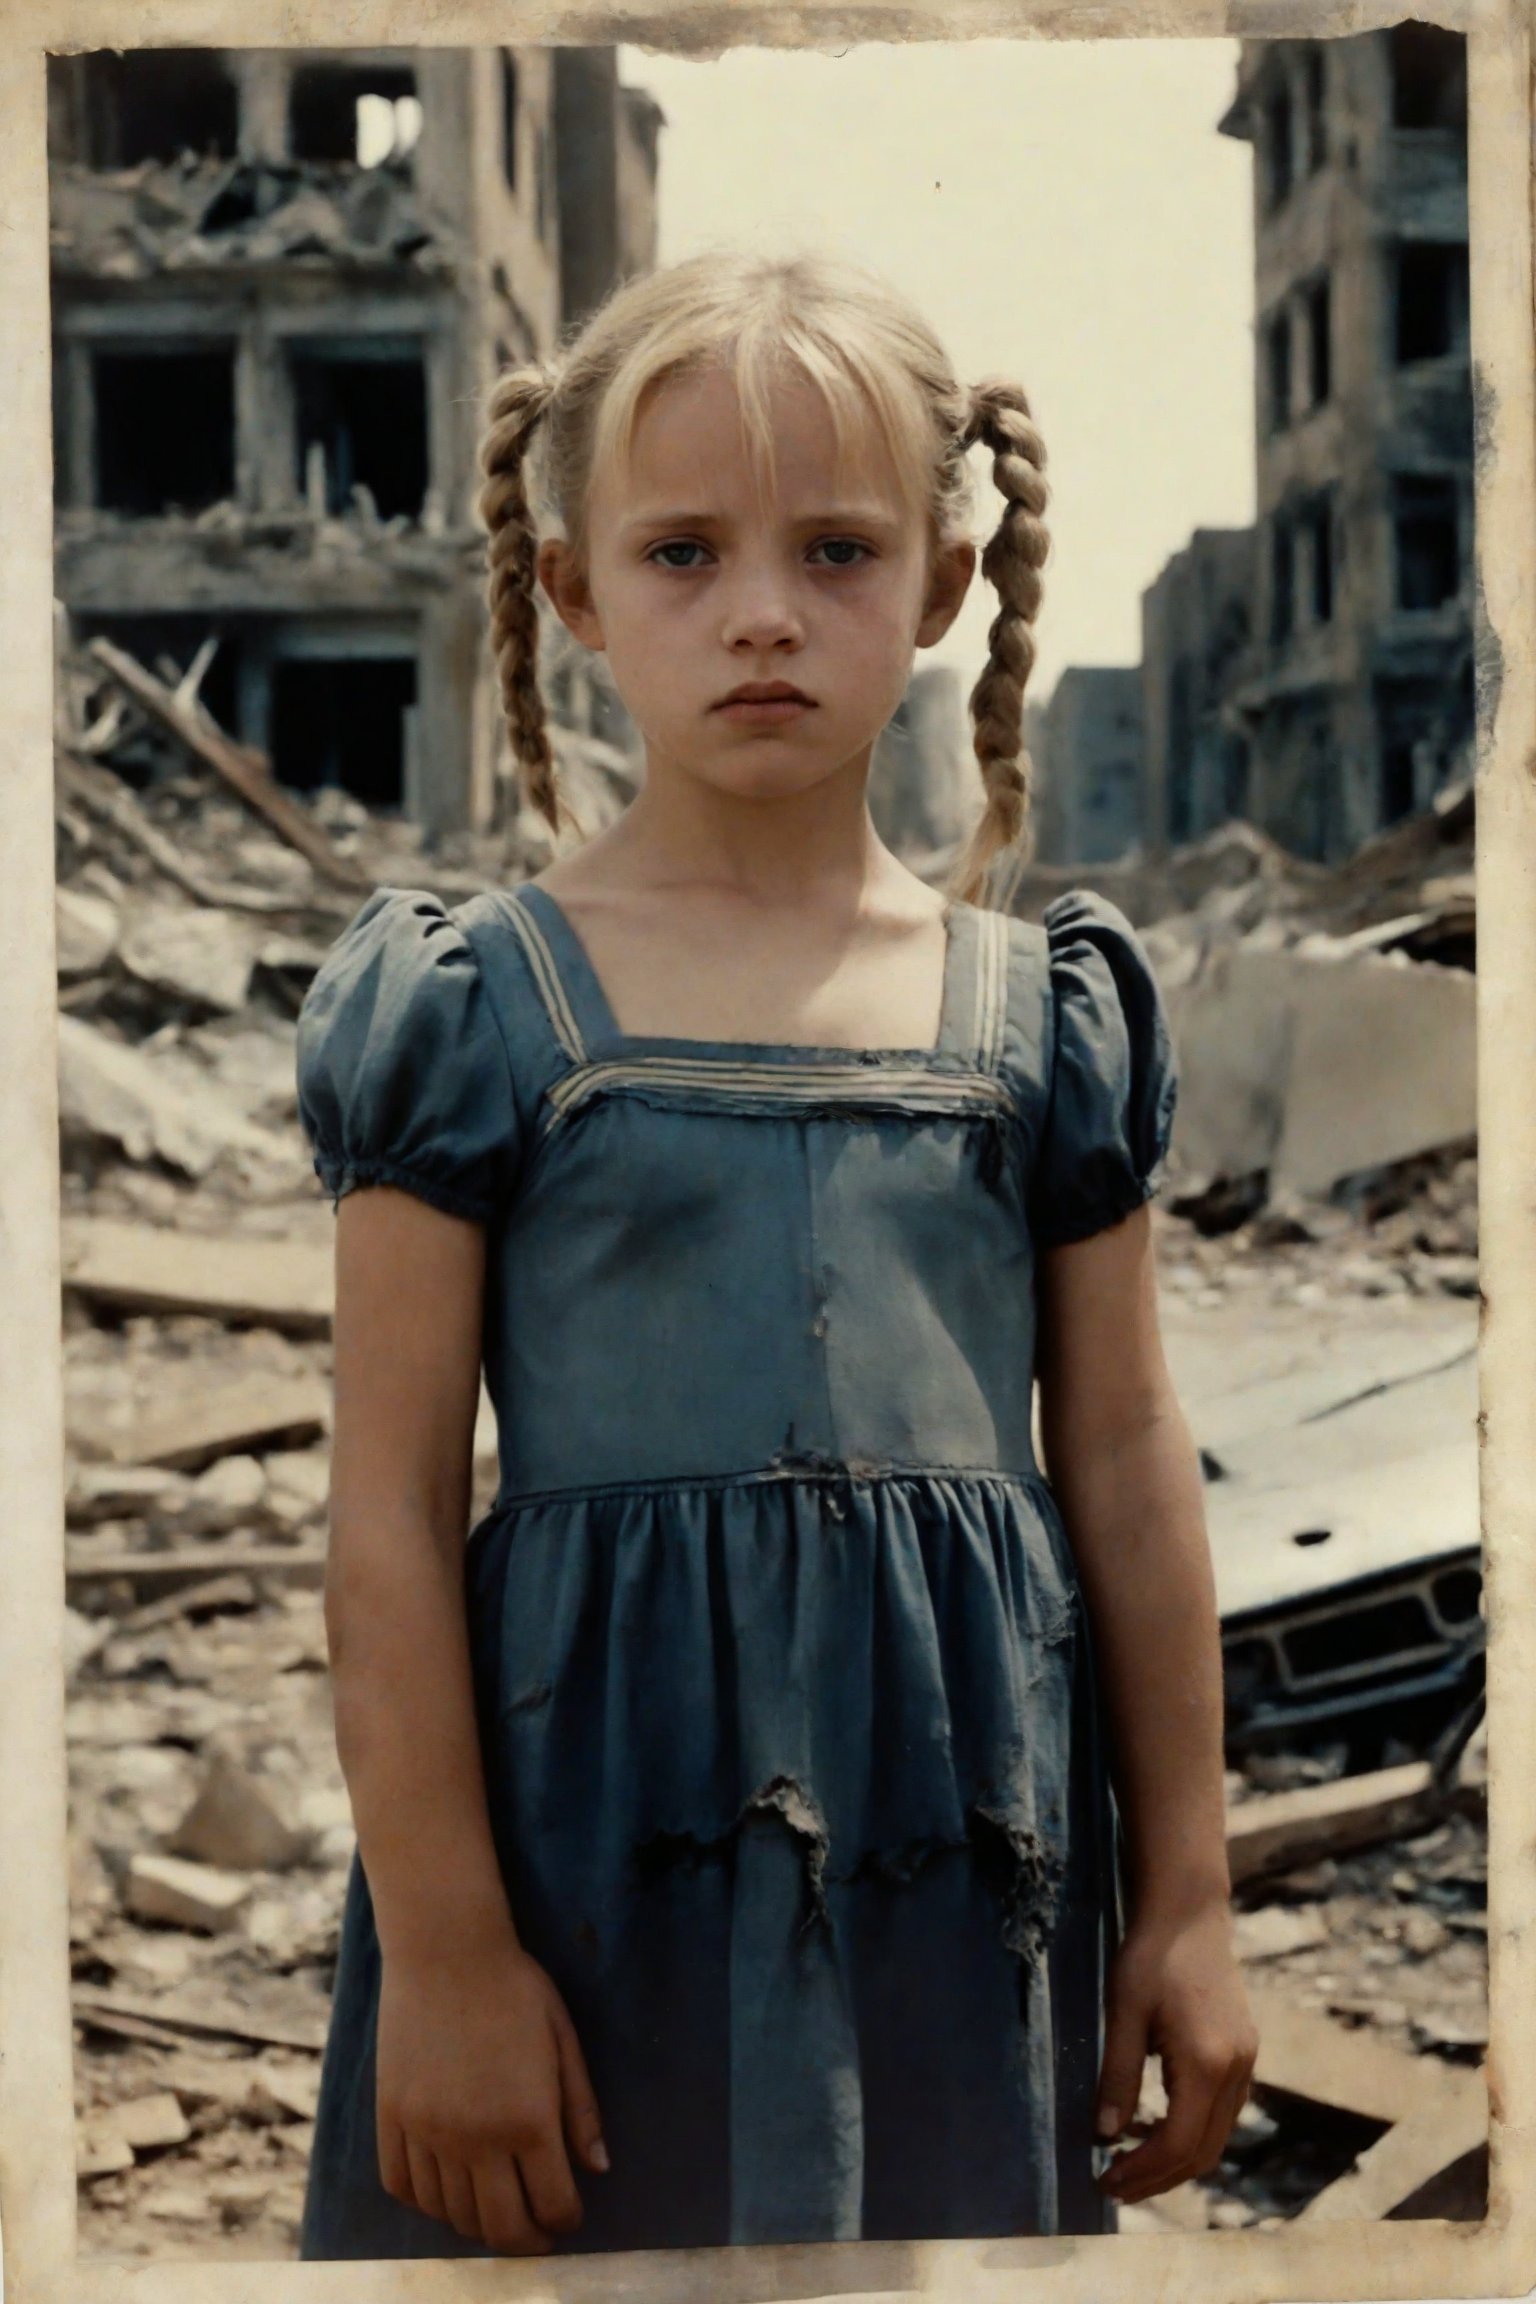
(794,1755)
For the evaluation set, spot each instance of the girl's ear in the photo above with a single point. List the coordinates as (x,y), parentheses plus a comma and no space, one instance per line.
(564,579)
(950,580)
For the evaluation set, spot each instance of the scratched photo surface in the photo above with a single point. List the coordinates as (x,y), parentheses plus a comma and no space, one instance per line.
(1233,277)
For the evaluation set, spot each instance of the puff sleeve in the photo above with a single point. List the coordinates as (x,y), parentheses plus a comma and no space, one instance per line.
(1113,1076)
(403,1073)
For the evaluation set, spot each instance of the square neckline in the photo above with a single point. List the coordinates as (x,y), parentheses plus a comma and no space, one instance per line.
(603,1032)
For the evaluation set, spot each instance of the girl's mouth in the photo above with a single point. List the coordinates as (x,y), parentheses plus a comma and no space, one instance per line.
(763,710)
(764,702)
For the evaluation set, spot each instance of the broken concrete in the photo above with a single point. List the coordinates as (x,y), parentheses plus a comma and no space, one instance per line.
(113,1094)
(186,1895)
(201,957)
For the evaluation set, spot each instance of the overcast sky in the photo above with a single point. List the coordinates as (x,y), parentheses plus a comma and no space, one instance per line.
(1062,211)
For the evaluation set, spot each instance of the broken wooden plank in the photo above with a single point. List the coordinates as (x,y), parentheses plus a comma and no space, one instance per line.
(146,1268)
(246,771)
(1419,2149)
(1276,1831)
(253,1413)
(302,1564)
(211,2019)
(111,802)
(1306,2054)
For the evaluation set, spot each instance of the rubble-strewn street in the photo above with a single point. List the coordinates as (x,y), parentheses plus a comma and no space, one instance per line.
(210,1826)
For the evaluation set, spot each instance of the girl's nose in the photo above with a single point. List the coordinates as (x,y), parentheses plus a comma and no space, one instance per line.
(761,611)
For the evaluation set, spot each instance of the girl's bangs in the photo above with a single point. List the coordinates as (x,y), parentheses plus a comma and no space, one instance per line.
(873,419)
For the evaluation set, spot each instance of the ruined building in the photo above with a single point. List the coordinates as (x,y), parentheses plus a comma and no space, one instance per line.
(1356,699)
(282,283)
(1086,748)
(1314,673)
(1196,634)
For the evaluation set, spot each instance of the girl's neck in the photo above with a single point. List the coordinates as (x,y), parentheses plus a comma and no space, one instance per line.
(681,831)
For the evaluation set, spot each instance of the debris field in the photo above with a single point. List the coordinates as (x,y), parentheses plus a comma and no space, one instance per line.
(210,1830)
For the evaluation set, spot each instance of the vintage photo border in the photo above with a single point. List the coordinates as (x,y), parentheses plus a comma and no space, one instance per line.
(37,2179)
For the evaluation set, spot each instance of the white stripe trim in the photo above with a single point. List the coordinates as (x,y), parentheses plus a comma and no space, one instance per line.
(784,1083)
(547,977)
(991,990)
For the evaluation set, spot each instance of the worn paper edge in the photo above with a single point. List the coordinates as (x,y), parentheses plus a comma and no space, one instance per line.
(1389,2260)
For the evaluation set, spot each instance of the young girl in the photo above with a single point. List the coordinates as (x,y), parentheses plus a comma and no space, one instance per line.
(737,1850)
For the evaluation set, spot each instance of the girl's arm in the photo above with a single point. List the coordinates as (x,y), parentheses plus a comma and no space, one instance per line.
(1123,1465)
(481,2085)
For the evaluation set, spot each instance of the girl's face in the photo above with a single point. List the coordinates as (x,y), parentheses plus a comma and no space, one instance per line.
(696,591)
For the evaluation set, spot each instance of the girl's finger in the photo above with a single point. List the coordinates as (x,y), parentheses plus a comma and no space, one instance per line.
(394,2165)
(426,2184)
(578,2102)
(1229,2102)
(1125,2055)
(459,2198)
(553,2199)
(1168,2155)
(505,2221)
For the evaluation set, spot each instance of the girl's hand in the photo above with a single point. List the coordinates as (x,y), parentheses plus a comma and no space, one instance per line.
(483,2096)
(1176,1987)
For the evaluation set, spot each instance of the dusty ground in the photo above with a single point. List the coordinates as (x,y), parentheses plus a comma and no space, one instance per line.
(1394,1938)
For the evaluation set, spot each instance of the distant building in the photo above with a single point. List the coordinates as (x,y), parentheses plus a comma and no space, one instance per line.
(283,280)
(1357,696)
(1196,625)
(1087,745)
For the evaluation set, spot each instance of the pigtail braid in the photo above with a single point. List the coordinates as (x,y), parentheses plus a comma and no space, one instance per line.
(1000,420)
(521,397)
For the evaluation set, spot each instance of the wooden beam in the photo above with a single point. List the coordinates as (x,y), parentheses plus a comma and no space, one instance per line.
(147,1268)
(1306,2054)
(257,1411)
(1277,1831)
(88,1563)
(247,772)
(1419,2149)
(210,2019)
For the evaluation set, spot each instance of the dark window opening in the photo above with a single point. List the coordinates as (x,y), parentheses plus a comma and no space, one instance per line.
(1397,795)
(1278,358)
(1277,138)
(1319,307)
(165,429)
(1181,750)
(353,112)
(1428,545)
(340,720)
(1282,581)
(1432,295)
(1429,77)
(509,132)
(361,422)
(1316,84)
(156,103)
(1320,553)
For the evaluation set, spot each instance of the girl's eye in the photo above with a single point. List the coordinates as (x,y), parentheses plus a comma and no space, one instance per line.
(677,544)
(841,545)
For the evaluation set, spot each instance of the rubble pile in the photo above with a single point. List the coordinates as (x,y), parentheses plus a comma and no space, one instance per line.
(194,211)
(210,1830)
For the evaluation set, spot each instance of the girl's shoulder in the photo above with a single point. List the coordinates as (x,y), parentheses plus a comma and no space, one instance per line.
(424,1045)
(1088,1049)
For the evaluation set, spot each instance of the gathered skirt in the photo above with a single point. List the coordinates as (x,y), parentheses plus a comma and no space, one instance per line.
(798,1784)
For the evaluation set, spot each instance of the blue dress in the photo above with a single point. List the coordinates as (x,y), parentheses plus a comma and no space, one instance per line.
(795,1759)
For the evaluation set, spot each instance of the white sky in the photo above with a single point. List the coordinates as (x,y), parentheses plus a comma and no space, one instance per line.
(1062,211)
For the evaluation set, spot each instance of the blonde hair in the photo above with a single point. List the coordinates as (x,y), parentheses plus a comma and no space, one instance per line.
(873,357)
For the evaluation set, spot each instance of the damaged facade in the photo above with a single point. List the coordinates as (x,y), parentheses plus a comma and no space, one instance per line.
(1314,674)
(283,282)
(1358,697)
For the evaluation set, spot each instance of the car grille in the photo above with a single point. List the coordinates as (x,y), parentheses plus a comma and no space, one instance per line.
(1358,1645)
